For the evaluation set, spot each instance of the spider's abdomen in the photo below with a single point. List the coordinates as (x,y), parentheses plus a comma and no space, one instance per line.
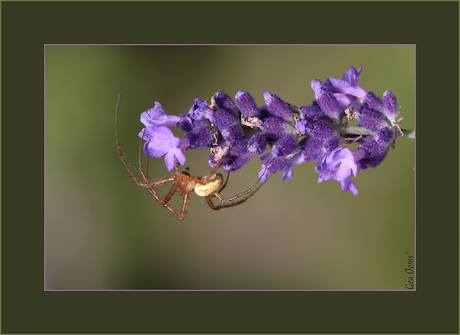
(211,185)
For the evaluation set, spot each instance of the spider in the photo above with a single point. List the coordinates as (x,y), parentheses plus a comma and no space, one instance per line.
(183,183)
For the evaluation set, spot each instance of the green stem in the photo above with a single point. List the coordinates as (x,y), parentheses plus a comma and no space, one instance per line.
(355,130)
(408,133)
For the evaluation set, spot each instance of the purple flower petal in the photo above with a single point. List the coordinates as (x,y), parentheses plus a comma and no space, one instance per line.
(271,165)
(348,85)
(155,116)
(223,101)
(312,112)
(246,104)
(339,165)
(277,107)
(390,105)
(201,134)
(285,146)
(257,144)
(200,110)
(275,126)
(289,166)
(326,100)
(379,143)
(161,141)
(373,101)
(351,76)
(371,119)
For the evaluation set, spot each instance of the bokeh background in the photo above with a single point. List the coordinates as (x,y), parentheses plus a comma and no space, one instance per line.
(104,232)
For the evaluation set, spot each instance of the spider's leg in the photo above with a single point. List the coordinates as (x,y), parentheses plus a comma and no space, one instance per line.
(239,195)
(183,210)
(148,167)
(230,202)
(149,185)
(164,202)
(120,152)
(224,184)
(159,182)
(170,194)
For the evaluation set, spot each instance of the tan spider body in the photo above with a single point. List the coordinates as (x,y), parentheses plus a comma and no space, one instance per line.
(184,184)
(212,184)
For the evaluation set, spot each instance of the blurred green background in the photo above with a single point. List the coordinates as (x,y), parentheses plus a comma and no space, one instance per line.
(104,232)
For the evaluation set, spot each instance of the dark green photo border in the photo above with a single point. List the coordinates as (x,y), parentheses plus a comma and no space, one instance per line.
(432,308)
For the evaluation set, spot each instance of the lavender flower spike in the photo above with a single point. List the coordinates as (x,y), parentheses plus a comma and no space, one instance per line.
(281,134)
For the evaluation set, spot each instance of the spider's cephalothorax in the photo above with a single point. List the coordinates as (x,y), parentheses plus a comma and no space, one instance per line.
(183,183)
